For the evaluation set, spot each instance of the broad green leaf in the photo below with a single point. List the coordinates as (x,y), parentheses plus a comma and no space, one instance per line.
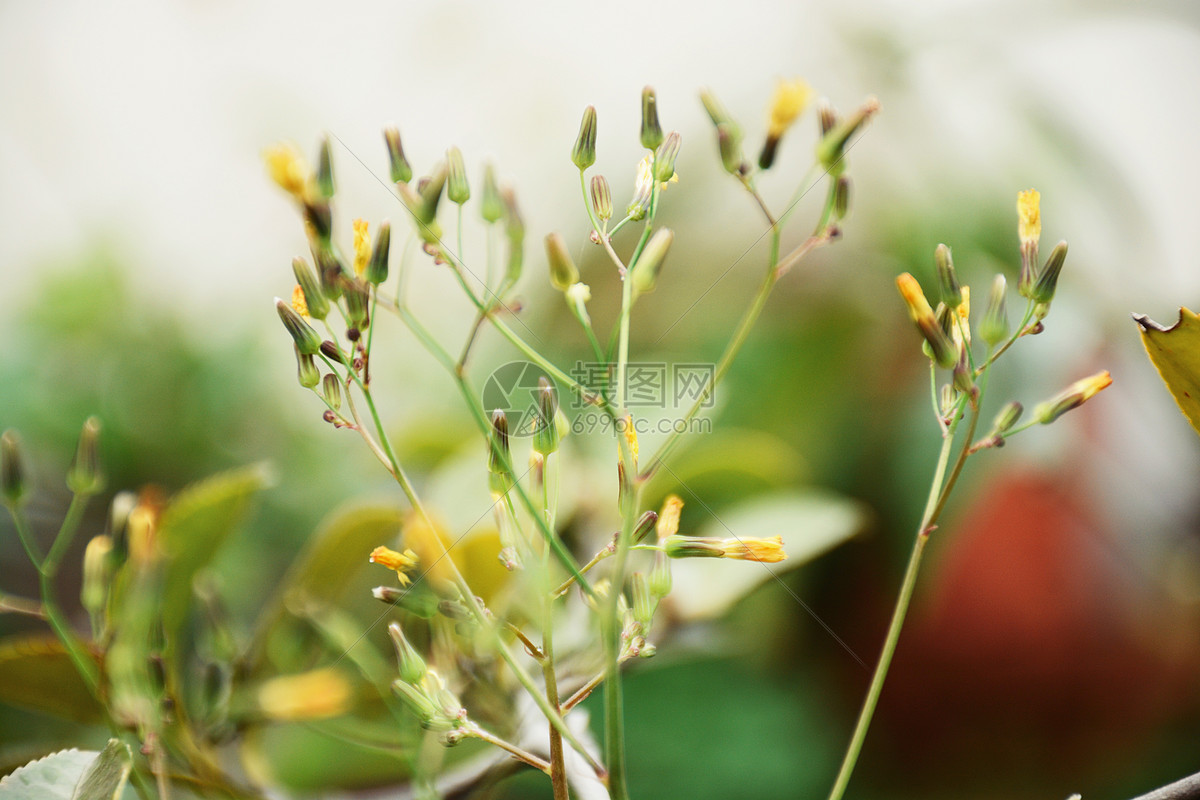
(810,522)
(36,673)
(106,776)
(1175,353)
(50,778)
(194,526)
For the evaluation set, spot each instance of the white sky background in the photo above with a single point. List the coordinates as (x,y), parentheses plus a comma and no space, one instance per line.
(139,123)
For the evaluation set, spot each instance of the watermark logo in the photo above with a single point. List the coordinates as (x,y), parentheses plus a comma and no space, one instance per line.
(512,388)
(652,384)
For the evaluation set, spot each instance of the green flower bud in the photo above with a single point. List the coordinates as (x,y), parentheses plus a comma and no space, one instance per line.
(97,572)
(499,477)
(841,197)
(431,194)
(418,599)
(325,171)
(947,279)
(645,524)
(306,369)
(331,272)
(730,145)
(514,229)
(319,218)
(584,153)
(358,298)
(457,189)
(652,135)
(964,376)
(12,473)
(643,601)
(1047,282)
(827,118)
(492,207)
(660,575)
(419,703)
(993,328)
(546,435)
(307,340)
(563,273)
(718,114)
(644,273)
(832,146)
(664,157)
(601,198)
(84,476)
(331,390)
(401,171)
(1007,417)
(377,268)
(412,666)
(314,298)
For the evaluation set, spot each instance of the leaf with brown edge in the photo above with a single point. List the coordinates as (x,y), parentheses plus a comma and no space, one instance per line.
(37,674)
(1175,353)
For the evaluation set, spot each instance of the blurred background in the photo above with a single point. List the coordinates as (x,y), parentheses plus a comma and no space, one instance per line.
(1052,645)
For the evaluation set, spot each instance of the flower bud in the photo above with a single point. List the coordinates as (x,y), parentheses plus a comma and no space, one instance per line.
(318,216)
(729,143)
(644,526)
(787,103)
(947,279)
(431,194)
(423,603)
(314,298)
(97,572)
(584,153)
(562,269)
(331,272)
(993,328)
(412,666)
(307,340)
(827,118)
(514,229)
(577,298)
(664,157)
(1047,282)
(601,198)
(652,135)
(942,350)
(668,519)
(84,476)
(12,473)
(546,435)
(769,550)
(1007,417)
(832,146)
(492,207)
(325,171)
(401,171)
(964,375)
(377,268)
(660,575)
(841,197)
(1073,396)
(457,189)
(718,114)
(644,273)
(499,478)
(419,703)
(331,390)
(306,369)
(643,601)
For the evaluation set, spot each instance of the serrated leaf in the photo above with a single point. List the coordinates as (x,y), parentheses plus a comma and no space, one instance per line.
(50,778)
(1175,353)
(194,526)
(105,777)
(810,522)
(36,673)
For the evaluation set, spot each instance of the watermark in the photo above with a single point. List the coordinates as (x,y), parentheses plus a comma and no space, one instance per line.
(597,421)
(669,387)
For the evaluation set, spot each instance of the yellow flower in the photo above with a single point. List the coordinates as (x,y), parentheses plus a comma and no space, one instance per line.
(631,439)
(768,550)
(318,694)
(402,563)
(299,303)
(362,247)
(668,519)
(788,103)
(287,167)
(1073,396)
(914,298)
(1029,216)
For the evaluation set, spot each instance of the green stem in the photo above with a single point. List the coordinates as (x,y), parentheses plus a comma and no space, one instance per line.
(25,534)
(558,769)
(939,493)
(66,533)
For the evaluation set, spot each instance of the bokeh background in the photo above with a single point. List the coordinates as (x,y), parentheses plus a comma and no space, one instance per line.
(1052,646)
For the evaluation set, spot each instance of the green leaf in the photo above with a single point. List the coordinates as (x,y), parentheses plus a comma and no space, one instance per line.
(50,778)
(106,776)
(194,526)
(36,673)
(811,522)
(1175,353)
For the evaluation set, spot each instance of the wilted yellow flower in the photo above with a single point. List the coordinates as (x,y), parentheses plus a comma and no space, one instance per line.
(668,519)
(1029,216)
(287,167)
(318,694)
(769,550)
(299,302)
(1073,396)
(631,439)
(362,247)
(788,103)
(645,177)
(402,563)
(961,335)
